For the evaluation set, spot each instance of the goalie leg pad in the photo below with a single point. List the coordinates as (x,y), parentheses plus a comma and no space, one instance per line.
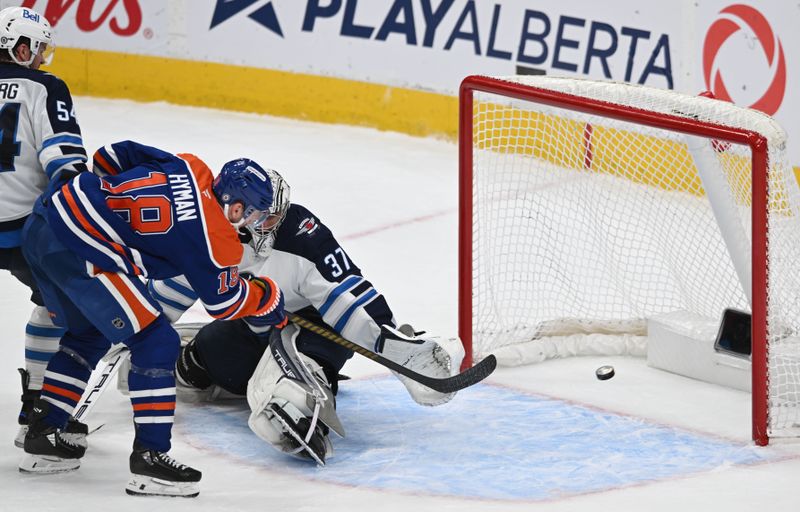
(292,404)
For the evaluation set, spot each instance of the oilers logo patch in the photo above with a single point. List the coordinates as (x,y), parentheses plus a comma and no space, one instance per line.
(308,226)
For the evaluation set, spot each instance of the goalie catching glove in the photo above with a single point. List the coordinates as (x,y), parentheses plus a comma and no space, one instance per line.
(429,355)
(270,310)
(293,406)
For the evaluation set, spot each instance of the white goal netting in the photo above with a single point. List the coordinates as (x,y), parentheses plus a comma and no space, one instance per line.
(588,224)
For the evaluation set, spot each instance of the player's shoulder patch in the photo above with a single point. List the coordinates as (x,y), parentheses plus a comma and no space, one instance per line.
(300,222)
(301,232)
(308,226)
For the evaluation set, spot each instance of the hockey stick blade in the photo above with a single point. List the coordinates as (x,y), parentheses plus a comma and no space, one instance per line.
(452,384)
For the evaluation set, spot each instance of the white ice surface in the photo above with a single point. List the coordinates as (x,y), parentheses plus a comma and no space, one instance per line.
(392,201)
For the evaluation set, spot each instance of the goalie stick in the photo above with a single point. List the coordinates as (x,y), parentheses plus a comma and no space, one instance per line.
(446,385)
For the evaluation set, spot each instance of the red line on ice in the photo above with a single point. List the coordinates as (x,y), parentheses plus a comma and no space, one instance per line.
(386,227)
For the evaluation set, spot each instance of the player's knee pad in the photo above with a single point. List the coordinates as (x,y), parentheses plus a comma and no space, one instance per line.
(293,407)
(229,352)
(193,380)
(190,369)
(155,347)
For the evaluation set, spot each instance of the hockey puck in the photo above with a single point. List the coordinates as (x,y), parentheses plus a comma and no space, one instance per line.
(604,372)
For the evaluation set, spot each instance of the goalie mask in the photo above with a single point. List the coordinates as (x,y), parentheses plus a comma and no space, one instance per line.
(263,193)
(19,22)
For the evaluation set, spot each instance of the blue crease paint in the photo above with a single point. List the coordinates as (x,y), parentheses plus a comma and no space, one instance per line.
(488,443)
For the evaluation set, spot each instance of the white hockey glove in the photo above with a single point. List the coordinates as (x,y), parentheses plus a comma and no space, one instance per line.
(429,355)
(293,407)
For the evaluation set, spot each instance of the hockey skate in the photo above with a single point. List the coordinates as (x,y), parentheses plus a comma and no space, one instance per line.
(28,396)
(47,450)
(75,432)
(302,441)
(155,473)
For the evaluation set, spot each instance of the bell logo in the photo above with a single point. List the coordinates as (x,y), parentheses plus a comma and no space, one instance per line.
(730,21)
(87,20)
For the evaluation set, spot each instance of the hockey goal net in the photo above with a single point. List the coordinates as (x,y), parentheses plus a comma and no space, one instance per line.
(588,207)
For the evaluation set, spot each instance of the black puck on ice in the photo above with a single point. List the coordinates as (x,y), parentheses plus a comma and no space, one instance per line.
(604,372)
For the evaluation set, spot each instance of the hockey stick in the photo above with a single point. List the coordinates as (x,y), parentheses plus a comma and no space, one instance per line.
(447,385)
(98,382)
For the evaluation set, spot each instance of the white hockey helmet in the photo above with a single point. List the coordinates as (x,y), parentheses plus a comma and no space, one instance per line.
(264,233)
(17,22)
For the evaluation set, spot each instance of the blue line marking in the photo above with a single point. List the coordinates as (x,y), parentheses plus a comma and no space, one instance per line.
(488,443)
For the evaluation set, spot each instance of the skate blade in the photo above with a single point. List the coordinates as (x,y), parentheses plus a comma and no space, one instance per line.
(140,485)
(42,464)
(19,441)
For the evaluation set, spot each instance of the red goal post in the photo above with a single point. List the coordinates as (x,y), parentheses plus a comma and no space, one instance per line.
(554,106)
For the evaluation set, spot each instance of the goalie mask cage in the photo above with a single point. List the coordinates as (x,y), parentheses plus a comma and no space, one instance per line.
(587,207)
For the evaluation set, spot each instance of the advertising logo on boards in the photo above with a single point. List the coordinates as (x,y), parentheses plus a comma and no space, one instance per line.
(533,40)
(264,15)
(126,24)
(731,21)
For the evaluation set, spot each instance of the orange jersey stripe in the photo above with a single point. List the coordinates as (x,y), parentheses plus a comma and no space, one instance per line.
(250,307)
(158,406)
(103,163)
(226,250)
(229,311)
(143,315)
(73,206)
(62,392)
(153,179)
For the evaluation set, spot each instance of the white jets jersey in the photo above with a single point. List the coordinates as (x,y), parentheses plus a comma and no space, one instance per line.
(312,271)
(39,137)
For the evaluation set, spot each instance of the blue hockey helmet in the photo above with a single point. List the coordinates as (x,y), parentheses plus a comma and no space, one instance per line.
(263,194)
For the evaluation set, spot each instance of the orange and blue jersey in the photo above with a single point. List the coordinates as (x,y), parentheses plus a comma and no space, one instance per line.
(145,212)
